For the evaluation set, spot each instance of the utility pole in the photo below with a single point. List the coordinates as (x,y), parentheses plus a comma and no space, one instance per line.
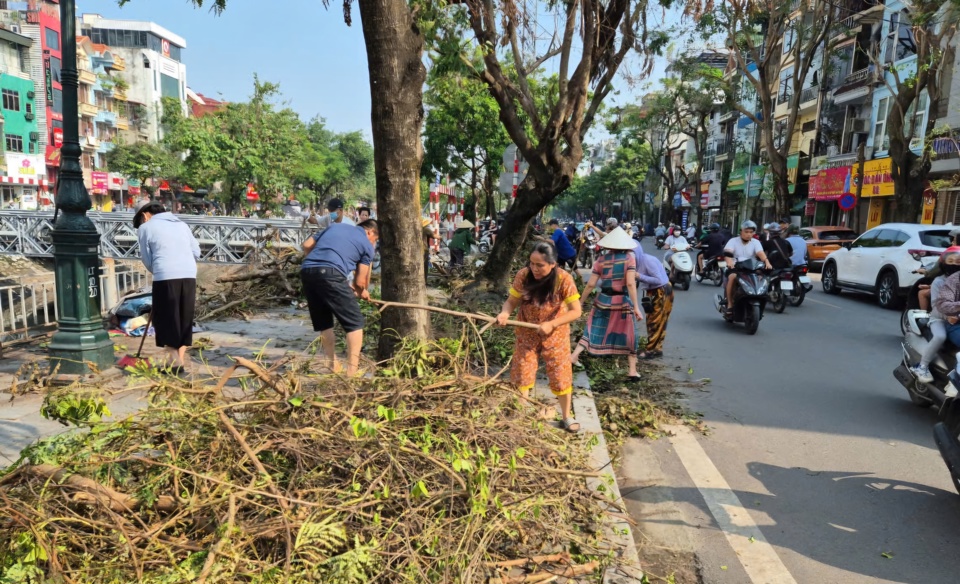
(81,337)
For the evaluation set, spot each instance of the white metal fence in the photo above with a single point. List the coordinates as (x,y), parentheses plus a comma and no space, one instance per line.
(28,304)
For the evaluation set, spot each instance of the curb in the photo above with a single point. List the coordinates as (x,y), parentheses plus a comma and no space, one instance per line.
(619,534)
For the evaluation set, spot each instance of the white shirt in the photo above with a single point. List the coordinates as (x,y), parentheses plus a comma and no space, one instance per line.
(743,251)
(691,232)
(676,241)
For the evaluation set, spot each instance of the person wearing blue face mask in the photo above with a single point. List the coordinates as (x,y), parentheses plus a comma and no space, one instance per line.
(334,215)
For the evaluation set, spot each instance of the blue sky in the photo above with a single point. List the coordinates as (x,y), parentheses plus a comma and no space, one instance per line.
(319,62)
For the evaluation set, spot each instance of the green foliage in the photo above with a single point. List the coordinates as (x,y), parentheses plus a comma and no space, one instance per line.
(76,408)
(142,160)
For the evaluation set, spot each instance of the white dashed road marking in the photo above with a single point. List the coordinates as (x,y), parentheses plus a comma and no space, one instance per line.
(755,553)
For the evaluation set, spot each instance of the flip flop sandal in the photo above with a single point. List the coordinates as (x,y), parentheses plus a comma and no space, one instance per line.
(578,366)
(654,355)
(570,425)
(635,378)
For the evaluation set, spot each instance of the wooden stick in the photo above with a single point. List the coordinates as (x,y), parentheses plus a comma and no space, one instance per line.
(93,492)
(552,559)
(263,375)
(245,276)
(568,572)
(226,306)
(468,315)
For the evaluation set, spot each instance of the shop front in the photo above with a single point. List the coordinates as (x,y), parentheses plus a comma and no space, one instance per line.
(24,185)
(118,189)
(100,191)
(876,196)
(827,185)
(743,193)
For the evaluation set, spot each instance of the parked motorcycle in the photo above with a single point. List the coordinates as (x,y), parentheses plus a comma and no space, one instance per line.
(486,242)
(680,267)
(749,295)
(940,392)
(712,270)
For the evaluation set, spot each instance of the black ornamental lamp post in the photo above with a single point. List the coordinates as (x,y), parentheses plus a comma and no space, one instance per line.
(81,341)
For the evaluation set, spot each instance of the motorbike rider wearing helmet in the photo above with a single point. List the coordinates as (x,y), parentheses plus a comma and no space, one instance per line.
(777,249)
(742,248)
(712,245)
(949,264)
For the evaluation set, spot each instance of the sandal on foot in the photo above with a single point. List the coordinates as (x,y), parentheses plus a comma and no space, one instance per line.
(570,425)
(634,378)
(578,366)
(654,355)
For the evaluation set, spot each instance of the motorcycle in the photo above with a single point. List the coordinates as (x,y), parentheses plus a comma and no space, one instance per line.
(712,270)
(750,292)
(486,242)
(913,296)
(660,240)
(796,283)
(680,267)
(588,250)
(941,392)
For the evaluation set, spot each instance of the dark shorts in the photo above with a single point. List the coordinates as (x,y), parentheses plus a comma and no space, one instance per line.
(329,295)
(174,305)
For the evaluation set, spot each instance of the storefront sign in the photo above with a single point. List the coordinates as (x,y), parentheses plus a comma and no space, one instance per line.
(830,183)
(165,47)
(53,156)
(100,180)
(875,213)
(28,201)
(929,205)
(117,182)
(57,137)
(811,209)
(793,169)
(739,177)
(133,186)
(877,181)
(25,166)
(48,77)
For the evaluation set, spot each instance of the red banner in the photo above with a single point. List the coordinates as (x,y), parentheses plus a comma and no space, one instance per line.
(830,183)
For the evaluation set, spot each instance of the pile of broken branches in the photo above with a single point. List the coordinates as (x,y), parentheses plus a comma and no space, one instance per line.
(278,475)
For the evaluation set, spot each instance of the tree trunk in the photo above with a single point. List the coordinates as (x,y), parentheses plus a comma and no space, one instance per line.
(394,56)
(513,232)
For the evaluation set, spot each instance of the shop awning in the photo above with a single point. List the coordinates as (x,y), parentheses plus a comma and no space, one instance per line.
(14,180)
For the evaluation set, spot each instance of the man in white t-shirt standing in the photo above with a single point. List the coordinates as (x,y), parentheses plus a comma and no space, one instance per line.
(742,248)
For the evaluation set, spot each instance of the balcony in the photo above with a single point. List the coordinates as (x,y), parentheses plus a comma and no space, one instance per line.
(106,117)
(724,150)
(87,77)
(90,142)
(120,94)
(87,109)
(123,123)
(809,97)
(727,116)
(119,64)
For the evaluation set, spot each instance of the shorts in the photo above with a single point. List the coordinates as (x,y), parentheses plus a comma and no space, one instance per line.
(174,304)
(329,295)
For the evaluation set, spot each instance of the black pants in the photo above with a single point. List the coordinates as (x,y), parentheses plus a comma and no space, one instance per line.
(174,306)
(329,295)
(456,257)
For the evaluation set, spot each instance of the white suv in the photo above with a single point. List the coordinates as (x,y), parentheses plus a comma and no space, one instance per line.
(882,260)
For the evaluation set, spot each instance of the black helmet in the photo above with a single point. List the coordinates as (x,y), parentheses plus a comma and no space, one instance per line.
(714,227)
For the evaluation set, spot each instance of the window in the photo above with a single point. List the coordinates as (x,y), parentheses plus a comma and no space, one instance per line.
(786,85)
(790,36)
(86,160)
(890,238)
(899,43)
(57,101)
(837,235)
(169,86)
(11,100)
(28,107)
(867,239)
(806,234)
(52,38)
(880,139)
(55,66)
(14,143)
(938,238)
(917,112)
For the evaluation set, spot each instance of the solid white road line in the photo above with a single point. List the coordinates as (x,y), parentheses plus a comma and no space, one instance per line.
(757,556)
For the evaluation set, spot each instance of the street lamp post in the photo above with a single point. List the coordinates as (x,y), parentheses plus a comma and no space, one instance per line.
(81,341)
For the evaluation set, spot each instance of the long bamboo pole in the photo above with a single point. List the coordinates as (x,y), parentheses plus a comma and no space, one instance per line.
(468,315)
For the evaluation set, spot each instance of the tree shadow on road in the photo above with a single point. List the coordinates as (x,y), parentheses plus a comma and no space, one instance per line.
(849,520)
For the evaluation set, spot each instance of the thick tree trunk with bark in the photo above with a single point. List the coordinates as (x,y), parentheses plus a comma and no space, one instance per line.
(907,170)
(394,55)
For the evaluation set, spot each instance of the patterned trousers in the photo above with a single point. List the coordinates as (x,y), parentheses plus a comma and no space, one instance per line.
(662,300)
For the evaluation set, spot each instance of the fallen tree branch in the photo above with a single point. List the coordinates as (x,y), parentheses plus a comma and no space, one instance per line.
(550,559)
(226,306)
(468,315)
(246,276)
(93,492)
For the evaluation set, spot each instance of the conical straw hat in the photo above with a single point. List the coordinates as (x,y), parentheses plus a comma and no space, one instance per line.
(617,239)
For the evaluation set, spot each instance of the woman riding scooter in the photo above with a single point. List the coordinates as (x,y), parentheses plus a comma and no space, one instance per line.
(949,264)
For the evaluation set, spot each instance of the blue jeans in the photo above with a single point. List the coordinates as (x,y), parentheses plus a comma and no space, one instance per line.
(953,334)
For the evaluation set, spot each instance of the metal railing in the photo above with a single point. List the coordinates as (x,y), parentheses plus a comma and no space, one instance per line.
(28,304)
(809,94)
(856,76)
(223,240)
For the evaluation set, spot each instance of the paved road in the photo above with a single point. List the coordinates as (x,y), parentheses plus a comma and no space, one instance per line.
(828,464)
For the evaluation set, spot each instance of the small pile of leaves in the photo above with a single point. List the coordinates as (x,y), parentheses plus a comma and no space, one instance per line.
(273,474)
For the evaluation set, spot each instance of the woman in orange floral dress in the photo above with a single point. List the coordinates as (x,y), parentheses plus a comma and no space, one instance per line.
(547,296)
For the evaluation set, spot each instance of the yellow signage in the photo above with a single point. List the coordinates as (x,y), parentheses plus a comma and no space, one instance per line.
(877,178)
(875,213)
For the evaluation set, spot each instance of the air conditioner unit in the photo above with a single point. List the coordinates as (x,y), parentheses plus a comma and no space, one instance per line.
(15,28)
(34,136)
(28,116)
(31,94)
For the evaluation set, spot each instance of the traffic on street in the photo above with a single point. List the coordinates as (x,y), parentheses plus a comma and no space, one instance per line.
(817,467)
